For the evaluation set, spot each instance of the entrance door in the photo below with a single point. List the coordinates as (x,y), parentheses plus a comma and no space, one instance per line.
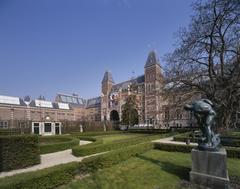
(57,129)
(47,128)
(36,128)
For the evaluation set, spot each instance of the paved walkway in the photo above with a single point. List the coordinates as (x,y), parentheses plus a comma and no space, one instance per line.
(50,160)
(170,140)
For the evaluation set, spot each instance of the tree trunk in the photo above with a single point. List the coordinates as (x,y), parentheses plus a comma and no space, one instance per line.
(225,119)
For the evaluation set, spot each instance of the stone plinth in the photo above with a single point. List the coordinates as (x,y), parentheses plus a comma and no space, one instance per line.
(210,169)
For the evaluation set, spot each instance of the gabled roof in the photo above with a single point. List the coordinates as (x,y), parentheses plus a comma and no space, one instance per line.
(152,59)
(107,77)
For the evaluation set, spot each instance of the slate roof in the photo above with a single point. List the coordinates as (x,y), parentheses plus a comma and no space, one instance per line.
(107,77)
(124,85)
(152,59)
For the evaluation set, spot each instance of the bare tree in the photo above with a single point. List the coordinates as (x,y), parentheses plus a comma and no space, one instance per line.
(27,98)
(41,97)
(207,55)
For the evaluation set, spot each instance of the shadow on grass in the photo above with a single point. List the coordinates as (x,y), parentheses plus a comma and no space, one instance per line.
(181,171)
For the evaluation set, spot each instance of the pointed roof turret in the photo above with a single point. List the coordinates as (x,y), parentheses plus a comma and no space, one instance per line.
(152,59)
(107,77)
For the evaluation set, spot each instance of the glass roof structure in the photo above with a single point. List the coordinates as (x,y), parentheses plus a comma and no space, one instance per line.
(71,99)
(93,101)
(63,106)
(43,103)
(9,100)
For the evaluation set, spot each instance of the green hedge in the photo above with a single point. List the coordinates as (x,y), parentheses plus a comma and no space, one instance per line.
(225,141)
(231,151)
(114,157)
(231,134)
(9,132)
(63,174)
(41,179)
(229,141)
(77,134)
(183,137)
(148,131)
(173,147)
(18,151)
(93,149)
(52,144)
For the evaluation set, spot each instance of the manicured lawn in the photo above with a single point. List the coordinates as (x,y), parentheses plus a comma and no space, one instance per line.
(115,142)
(154,169)
(118,137)
(49,144)
(44,140)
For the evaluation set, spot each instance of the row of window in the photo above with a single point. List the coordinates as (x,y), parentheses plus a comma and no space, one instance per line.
(178,114)
(47,128)
(150,76)
(48,113)
(3,124)
(177,125)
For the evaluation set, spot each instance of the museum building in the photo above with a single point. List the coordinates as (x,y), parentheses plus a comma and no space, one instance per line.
(153,106)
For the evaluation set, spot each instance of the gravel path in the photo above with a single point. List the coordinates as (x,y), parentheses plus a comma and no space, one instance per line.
(170,140)
(49,160)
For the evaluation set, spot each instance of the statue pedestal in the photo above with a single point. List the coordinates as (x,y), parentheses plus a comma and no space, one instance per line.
(210,169)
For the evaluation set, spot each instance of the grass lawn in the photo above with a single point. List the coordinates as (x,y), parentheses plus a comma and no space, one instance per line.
(45,140)
(118,137)
(155,169)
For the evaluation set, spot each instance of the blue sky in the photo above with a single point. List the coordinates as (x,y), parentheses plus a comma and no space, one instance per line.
(51,46)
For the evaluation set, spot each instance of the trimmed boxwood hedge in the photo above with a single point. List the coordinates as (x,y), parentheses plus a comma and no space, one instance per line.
(92,149)
(52,144)
(148,131)
(41,179)
(18,151)
(231,151)
(63,174)
(114,157)
(226,140)
(232,134)
(229,141)
(173,147)
(77,134)
(9,132)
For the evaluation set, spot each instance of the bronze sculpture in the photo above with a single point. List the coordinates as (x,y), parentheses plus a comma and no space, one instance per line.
(204,113)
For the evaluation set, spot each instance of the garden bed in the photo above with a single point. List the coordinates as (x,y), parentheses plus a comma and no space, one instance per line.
(50,144)
(97,148)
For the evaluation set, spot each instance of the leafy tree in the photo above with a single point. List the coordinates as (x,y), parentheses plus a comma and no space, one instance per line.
(206,59)
(129,111)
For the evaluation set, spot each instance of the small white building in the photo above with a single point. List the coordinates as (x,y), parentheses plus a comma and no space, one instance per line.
(48,125)
(47,128)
